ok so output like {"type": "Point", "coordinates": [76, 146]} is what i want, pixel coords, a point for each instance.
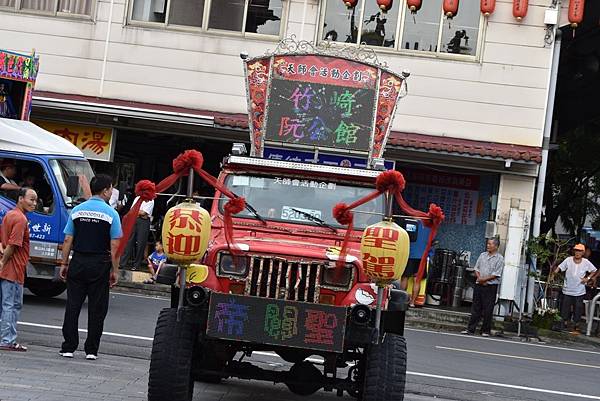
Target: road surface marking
{"type": "Point", "coordinates": [539, 390]}
{"type": "Point", "coordinates": [159, 297]}
{"type": "Point", "coordinates": [505, 341]}
{"type": "Point", "coordinates": [517, 357]}
{"type": "Point", "coordinates": [105, 333]}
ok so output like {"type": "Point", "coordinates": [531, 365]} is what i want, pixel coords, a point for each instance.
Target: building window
{"type": "Point", "coordinates": [427, 31]}
{"type": "Point", "coordinates": [53, 7]}
{"type": "Point", "coordinates": [243, 16]}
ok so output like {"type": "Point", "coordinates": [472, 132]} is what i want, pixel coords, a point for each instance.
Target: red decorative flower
{"type": "Point", "coordinates": [391, 180]}
{"type": "Point", "coordinates": [235, 205]}
{"type": "Point", "coordinates": [146, 190]}
{"type": "Point", "coordinates": [436, 216]}
{"type": "Point", "coordinates": [186, 160]}
{"type": "Point", "coordinates": [342, 214]}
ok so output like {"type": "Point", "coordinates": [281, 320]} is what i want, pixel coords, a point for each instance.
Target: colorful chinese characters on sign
{"type": "Point", "coordinates": [18, 67]}
{"type": "Point", "coordinates": [321, 101]}
{"type": "Point", "coordinates": [185, 232]}
{"type": "Point", "coordinates": [384, 248]}
{"type": "Point", "coordinates": [96, 143]}
{"type": "Point", "coordinates": [18, 73]}
{"type": "Point", "coordinates": [295, 324]}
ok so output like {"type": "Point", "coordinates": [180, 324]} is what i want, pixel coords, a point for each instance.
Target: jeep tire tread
{"type": "Point", "coordinates": [385, 370]}
{"type": "Point", "coordinates": [170, 375]}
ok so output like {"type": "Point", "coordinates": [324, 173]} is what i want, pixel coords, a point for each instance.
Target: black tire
{"type": "Point", "coordinates": [385, 370]}
{"type": "Point", "coordinates": [170, 375]}
{"type": "Point", "coordinates": [45, 288]}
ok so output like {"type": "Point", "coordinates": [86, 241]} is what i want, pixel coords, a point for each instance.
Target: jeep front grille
{"type": "Point", "coordinates": [280, 279]}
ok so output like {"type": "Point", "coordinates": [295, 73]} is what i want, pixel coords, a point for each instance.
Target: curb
{"type": "Point", "coordinates": [158, 290]}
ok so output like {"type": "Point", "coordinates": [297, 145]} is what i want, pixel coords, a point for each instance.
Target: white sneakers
{"type": "Point", "coordinates": [89, 357]}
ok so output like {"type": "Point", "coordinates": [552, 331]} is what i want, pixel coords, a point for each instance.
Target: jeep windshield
{"type": "Point", "coordinates": [303, 201]}
{"type": "Point", "coordinates": [69, 171]}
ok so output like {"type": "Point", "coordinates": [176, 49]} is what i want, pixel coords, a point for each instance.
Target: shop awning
{"type": "Point", "coordinates": [397, 140]}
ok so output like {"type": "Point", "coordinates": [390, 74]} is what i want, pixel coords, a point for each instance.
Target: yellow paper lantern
{"type": "Point", "coordinates": [185, 232]}
{"type": "Point", "coordinates": [384, 247]}
{"type": "Point", "coordinates": [196, 274]}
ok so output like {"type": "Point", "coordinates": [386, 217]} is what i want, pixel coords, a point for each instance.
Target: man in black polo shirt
{"type": "Point", "coordinates": [93, 232]}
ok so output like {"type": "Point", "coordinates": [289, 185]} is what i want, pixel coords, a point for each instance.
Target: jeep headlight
{"type": "Point", "coordinates": [232, 265]}
{"type": "Point", "coordinates": [332, 277]}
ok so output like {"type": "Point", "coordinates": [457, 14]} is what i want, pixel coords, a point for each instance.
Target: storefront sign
{"type": "Point", "coordinates": [277, 322]}
{"type": "Point", "coordinates": [322, 158]}
{"type": "Point", "coordinates": [96, 143]}
{"type": "Point", "coordinates": [456, 194]}
{"type": "Point", "coordinates": [18, 66]}
{"type": "Point", "coordinates": [322, 102]}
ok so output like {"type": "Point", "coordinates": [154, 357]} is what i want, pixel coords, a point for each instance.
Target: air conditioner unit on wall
{"type": "Point", "coordinates": [158, 6]}
{"type": "Point", "coordinates": [490, 229]}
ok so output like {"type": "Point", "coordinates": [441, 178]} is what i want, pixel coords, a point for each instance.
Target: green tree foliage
{"type": "Point", "coordinates": [573, 180]}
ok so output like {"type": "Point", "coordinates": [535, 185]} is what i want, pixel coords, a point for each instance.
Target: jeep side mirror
{"type": "Point", "coordinates": [73, 186]}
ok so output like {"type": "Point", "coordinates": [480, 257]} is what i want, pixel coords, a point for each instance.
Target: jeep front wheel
{"type": "Point", "coordinates": [385, 370]}
{"type": "Point", "coordinates": [170, 375]}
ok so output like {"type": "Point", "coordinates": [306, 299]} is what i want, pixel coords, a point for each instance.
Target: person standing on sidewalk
{"type": "Point", "coordinates": [14, 256]}
{"type": "Point", "coordinates": [488, 271]}
{"type": "Point", "coordinates": [138, 242]}
{"type": "Point", "coordinates": [93, 232]}
{"type": "Point", "coordinates": [578, 271]}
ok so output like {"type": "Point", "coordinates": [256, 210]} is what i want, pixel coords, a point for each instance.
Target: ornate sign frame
{"type": "Point", "coordinates": [21, 68]}
{"type": "Point", "coordinates": [260, 71]}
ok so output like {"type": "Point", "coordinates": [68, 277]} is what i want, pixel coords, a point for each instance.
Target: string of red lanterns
{"type": "Point", "coordinates": [450, 8]}
{"type": "Point", "coordinates": [576, 12]}
{"type": "Point", "coordinates": [488, 7]}
{"type": "Point", "coordinates": [520, 9]}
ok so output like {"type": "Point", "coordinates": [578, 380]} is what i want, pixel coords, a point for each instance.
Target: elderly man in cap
{"type": "Point", "coordinates": [8, 171]}
{"type": "Point", "coordinates": [578, 271]}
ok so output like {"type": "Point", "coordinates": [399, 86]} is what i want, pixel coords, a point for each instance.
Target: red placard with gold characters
{"type": "Point", "coordinates": [185, 232]}
{"type": "Point", "coordinates": [384, 248]}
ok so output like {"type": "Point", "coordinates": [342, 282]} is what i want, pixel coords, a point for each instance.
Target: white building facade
{"type": "Point", "coordinates": [470, 130]}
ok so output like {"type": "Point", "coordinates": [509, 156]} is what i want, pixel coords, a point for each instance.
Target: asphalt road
{"type": "Point", "coordinates": [441, 366]}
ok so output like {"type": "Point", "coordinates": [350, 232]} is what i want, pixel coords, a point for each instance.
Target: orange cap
{"type": "Point", "coordinates": [579, 247]}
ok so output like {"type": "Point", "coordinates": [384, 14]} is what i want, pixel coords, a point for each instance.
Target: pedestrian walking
{"type": "Point", "coordinates": [138, 241]}
{"type": "Point", "coordinates": [14, 234]}
{"type": "Point", "coordinates": [488, 270]}
{"type": "Point", "coordinates": [93, 232]}
{"type": "Point", "coordinates": [578, 271]}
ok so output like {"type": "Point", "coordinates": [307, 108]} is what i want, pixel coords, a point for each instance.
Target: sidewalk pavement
{"type": "Point", "coordinates": [42, 374]}
{"type": "Point", "coordinates": [443, 320]}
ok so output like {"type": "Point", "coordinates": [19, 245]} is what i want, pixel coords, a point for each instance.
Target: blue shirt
{"type": "Point", "coordinates": [93, 224]}
{"type": "Point", "coordinates": [155, 258]}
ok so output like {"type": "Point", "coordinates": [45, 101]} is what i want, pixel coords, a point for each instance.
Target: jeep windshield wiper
{"type": "Point", "coordinates": [255, 213]}
{"type": "Point", "coordinates": [314, 219]}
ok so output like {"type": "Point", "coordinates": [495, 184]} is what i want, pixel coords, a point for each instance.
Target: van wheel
{"type": "Point", "coordinates": [385, 370]}
{"type": "Point", "coordinates": [45, 288]}
{"type": "Point", "coordinates": [170, 375]}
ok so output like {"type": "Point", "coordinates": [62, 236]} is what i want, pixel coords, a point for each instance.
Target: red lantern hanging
{"type": "Point", "coordinates": [576, 12]}
{"type": "Point", "coordinates": [450, 8]}
{"type": "Point", "coordinates": [413, 5]}
{"type": "Point", "coordinates": [385, 5]}
{"type": "Point", "coordinates": [487, 7]}
{"type": "Point", "coordinates": [520, 9]}
{"type": "Point", "coordinates": [350, 3]}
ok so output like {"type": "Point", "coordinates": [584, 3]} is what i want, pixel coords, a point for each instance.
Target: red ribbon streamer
{"type": "Point", "coordinates": [146, 190]}
{"type": "Point", "coordinates": [393, 182]}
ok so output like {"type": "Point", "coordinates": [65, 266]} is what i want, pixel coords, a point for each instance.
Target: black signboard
{"type": "Point", "coordinates": [319, 114]}
{"type": "Point", "coordinates": [277, 322]}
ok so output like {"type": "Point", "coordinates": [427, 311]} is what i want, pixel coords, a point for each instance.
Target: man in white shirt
{"type": "Point", "coordinates": [139, 238]}
{"type": "Point", "coordinates": [578, 271]}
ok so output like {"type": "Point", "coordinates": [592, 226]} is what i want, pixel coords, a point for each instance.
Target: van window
{"type": "Point", "coordinates": [27, 173]}
{"type": "Point", "coordinates": [65, 170]}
